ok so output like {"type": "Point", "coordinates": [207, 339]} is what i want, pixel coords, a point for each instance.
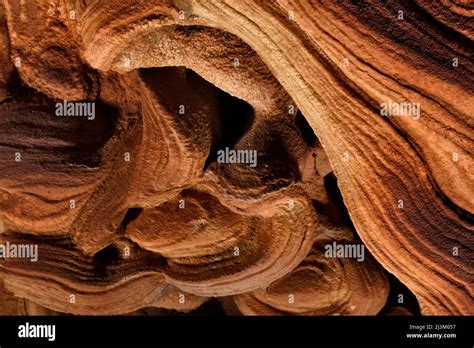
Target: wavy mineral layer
{"type": "Point", "coordinates": [323, 284]}
{"type": "Point", "coordinates": [156, 154]}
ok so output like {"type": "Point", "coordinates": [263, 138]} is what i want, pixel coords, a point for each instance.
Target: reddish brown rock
{"type": "Point", "coordinates": [133, 208]}
{"type": "Point", "coordinates": [323, 285]}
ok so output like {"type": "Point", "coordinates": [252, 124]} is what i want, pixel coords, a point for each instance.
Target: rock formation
{"type": "Point", "coordinates": [282, 156]}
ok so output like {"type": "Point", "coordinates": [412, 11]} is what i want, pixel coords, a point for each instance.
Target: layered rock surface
{"type": "Point", "coordinates": [134, 209]}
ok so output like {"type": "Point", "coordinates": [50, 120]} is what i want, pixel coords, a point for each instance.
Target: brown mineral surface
{"type": "Point", "coordinates": [247, 157]}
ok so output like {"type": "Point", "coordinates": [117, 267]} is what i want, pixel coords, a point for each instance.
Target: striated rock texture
{"type": "Point", "coordinates": [287, 157]}
{"type": "Point", "coordinates": [322, 285]}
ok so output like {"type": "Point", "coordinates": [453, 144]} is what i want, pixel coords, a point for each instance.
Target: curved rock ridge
{"type": "Point", "coordinates": [323, 285]}
{"type": "Point", "coordinates": [212, 251]}
{"type": "Point", "coordinates": [64, 280]}
{"type": "Point", "coordinates": [230, 143]}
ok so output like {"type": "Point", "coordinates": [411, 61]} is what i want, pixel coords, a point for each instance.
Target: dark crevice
{"type": "Point", "coordinates": [406, 301]}
{"type": "Point", "coordinates": [336, 201]}
{"type": "Point", "coordinates": [105, 258]}
{"type": "Point", "coordinates": [15, 87]}
{"type": "Point", "coordinates": [130, 215]}
{"type": "Point", "coordinates": [335, 210]}
{"type": "Point", "coordinates": [235, 118]}
{"type": "Point", "coordinates": [276, 163]}
{"type": "Point", "coordinates": [91, 135]}
{"type": "Point", "coordinates": [305, 129]}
